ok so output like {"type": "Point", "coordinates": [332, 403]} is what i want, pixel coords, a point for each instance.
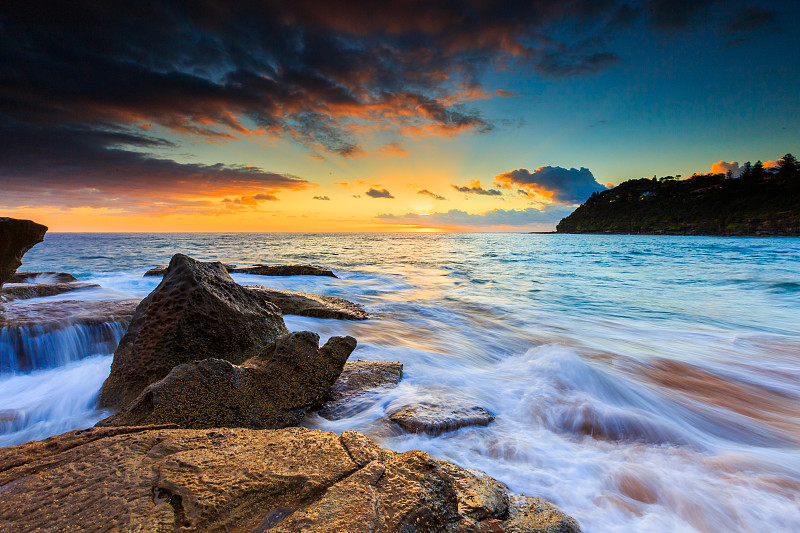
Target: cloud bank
{"type": "Point", "coordinates": [566, 186]}
{"type": "Point", "coordinates": [455, 218]}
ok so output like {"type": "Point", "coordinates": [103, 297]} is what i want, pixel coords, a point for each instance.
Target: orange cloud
{"type": "Point", "coordinates": [722, 167]}
{"type": "Point", "coordinates": [392, 149]}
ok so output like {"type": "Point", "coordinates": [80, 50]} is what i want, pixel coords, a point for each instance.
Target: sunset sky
{"type": "Point", "coordinates": [389, 116]}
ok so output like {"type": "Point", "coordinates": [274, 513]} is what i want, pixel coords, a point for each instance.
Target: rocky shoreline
{"type": "Point", "coordinates": [206, 389]}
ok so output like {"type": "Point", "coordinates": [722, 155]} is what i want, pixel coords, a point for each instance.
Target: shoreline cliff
{"type": "Point", "coordinates": [761, 202]}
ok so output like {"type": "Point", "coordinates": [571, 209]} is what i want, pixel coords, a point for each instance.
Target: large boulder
{"type": "Point", "coordinates": [270, 391]}
{"type": "Point", "coordinates": [359, 386]}
{"type": "Point", "coordinates": [157, 479]}
{"type": "Point", "coordinates": [196, 312]}
{"type": "Point", "coordinates": [307, 304]}
{"type": "Point", "coordinates": [16, 238]}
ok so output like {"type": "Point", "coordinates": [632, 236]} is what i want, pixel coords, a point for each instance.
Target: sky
{"type": "Point", "coordinates": [434, 115]}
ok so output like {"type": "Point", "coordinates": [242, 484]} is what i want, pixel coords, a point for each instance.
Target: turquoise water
{"type": "Point", "coordinates": [645, 383]}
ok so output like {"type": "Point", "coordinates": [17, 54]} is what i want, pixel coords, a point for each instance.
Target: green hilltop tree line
{"type": "Point", "coordinates": [760, 201]}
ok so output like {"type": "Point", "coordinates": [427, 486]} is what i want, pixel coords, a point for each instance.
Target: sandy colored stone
{"type": "Point", "coordinates": [196, 312]}
{"type": "Point", "coordinates": [16, 238]}
{"type": "Point", "coordinates": [270, 391]}
{"type": "Point", "coordinates": [535, 515]}
{"type": "Point", "coordinates": [161, 479]}
{"type": "Point", "coordinates": [438, 417]}
{"type": "Point", "coordinates": [308, 304]}
{"type": "Point", "coordinates": [360, 383]}
{"type": "Point", "coordinates": [23, 291]}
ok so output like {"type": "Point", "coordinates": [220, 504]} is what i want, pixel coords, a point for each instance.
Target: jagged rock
{"type": "Point", "coordinates": [438, 417]}
{"type": "Point", "coordinates": [527, 514]}
{"type": "Point", "coordinates": [52, 277]}
{"type": "Point", "coordinates": [196, 312]}
{"type": "Point", "coordinates": [307, 304]}
{"type": "Point", "coordinates": [157, 479]}
{"type": "Point", "coordinates": [270, 391]}
{"type": "Point", "coordinates": [23, 291]}
{"type": "Point", "coordinates": [359, 385]}
{"type": "Point", "coordinates": [54, 315]}
{"type": "Point", "coordinates": [16, 238]}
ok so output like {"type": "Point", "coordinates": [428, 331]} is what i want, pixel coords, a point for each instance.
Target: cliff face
{"type": "Point", "coordinates": [710, 204]}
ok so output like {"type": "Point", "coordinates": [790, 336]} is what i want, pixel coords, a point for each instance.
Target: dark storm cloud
{"type": "Point", "coordinates": [676, 15]}
{"type": "Point", "coordinates": [566, 186]}
{"type": "Point", "coordinates": [375, 193]}
{"type": "Point", "coordinates": [318, 72]}
{"type": "Point", "coordinates": [87, 167]}
{"type": "Point", "coordinates": [750, 22]}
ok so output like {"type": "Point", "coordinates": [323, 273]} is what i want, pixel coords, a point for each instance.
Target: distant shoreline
{"type": "Point", "coordinates": [674, 234]}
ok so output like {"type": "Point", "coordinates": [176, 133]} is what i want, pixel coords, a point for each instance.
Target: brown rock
{"type": "Point", "coordinates": [290, 480]}
{"type": "Point", "coordinates": [16, 238]}
{"type": "Point", "coordinates": [437, 417]}
{"type": "Point", "coordinates": [307, 304]}
{"type": "Point", "coordinates": [270, 391]}
{"type": "Point", "coordinates": [157, 271]}
{"type": "Point", "coordinates": [360, 384]}
{"type": "Point", "coordinates": [284, 270]}
{"type": "Point", "coordinates": [23, 291]}
{"type": "Point", "coordinates": [53, 277]}
{"type": "Point", "coordinates": [196, 312]}
{"type": "Point", "coordinates": [535, 515]}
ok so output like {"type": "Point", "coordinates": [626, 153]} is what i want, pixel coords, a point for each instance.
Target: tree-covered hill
{"type": "Point", "coordinates": [759, 202]}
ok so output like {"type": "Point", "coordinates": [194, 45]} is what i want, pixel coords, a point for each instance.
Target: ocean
{"type": "Point", "coordinates": [642, 383]}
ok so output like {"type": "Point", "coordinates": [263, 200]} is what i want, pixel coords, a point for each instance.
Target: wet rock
{"type": "Point", "coordinates": [196, 312]}
{"type": "Point", "coordinates": [438, 417]}
{"type": "Point", "coordinates": [289, 480]}
{"type": "Point", "coordinates": [48, 316]}
{"type": "Point", "coordinates": [16, 238]}
{"type": "Point", "coordinates": [307, 304]}
{"type": "Point", "coordinates": [29, 276]}
{"type": "Point", "coordinates": [359, 385]}
{"type": "Point", "coordinates": [284, 270]}
{"type": "Point", "coordinates": [270, 391]}
{"type": "Point", "coordinates": [23, 291]}
{"type": "Point", "coordinates": [528, 514]}
{"type": "Point", "coordinates": [263, 270]}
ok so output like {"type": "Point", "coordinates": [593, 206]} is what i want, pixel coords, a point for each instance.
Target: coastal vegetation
{"type": "Point", "coordinates": [759, 201]}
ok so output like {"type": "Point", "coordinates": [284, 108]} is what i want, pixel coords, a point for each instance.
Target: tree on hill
{"type": "Point", "coordinates": [788, 166]}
